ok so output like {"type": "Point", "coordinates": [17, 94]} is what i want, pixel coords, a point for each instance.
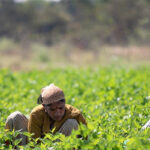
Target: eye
{"type": "Point", "coordinates": [52, 109]}
{"type": "Point", "coordinates": [60, 108]}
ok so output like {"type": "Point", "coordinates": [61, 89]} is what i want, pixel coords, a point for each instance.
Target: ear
{"type": "Point", "coordinates": [39, 100]}
{"type": "Point", "coordinates": [44, 107]}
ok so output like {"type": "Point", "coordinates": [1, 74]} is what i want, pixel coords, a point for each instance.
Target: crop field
{"type": "Point", "coordinates": [114, 100]}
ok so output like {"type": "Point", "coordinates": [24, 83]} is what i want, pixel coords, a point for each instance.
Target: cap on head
{"type": "Point", "coordinates": [51, 94]}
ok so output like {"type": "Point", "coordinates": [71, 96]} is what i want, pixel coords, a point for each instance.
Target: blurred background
{"type": "Point", "coordinates": [56, 33]}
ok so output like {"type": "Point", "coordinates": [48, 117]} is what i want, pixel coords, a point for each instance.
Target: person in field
{"type": "Point", "coordinates": [53, 114]}
{"type": "Point", "coordinates": [147, 125]}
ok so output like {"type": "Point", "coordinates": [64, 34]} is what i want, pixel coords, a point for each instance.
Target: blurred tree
{"type": "Point", "coordinates": [126, 15]}
{"type": "Point", "coordinates": [82, 21]}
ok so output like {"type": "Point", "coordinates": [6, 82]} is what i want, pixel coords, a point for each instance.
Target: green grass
{"type": "Point", "coordinates": [114, 100]}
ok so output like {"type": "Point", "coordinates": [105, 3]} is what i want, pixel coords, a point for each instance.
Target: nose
{"type": "Point", "coordinates": [58, 112]}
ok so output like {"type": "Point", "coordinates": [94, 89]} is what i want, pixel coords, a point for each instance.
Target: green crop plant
{"type": "Point", "coordinates": [114, 100]}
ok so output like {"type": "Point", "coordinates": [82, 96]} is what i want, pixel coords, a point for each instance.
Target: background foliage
{"type": "Point", "coordinates": [80, 22]}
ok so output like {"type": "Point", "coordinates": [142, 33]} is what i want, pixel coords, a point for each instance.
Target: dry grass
{"type": "Point", "coordinates": [37, 56]}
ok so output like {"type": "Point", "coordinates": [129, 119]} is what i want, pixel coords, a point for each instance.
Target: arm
{"type": "Point", "coordinates": [35, 125]}
{"type": "Point", "coordinates": [81, 119]}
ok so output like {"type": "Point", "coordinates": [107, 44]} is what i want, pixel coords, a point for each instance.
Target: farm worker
{"type": "Point", "coordinates": [147, 125]}
{"type": "Point", "coordinates": [52, 114]}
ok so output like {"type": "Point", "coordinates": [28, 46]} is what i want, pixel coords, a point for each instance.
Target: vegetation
{"type": "Point", "coordinates": [83, 23]}
{"type": "Point", "coordinates": [114, 100]}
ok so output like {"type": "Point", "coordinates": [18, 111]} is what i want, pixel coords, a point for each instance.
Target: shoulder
{"type": "Point", "coordinates": [38, 110]}
{"type": "Point", "coordinates": [72, 110]}
{"type": "Point", "coordinates": [37, 115]}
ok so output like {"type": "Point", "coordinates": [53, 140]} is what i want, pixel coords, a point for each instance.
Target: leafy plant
{"type": "Point", "coordinates": [115, 102]}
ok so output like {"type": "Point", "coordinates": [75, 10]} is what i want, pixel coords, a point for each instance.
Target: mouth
{"type": "Point", "coordinates": [58, 118]}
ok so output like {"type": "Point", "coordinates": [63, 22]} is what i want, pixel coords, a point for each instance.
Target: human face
{"type": "Point", "coordinates": [56, 110]}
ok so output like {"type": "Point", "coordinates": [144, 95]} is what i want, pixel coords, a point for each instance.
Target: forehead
{"type": "Point", "coordinates": [57, 104]}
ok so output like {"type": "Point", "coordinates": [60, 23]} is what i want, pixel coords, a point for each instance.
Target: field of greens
{"type": "Point", "coordinates": [114, 100]}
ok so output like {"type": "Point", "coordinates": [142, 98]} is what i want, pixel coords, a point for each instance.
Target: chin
{"type": "Point", "coordinates": [58, 119]}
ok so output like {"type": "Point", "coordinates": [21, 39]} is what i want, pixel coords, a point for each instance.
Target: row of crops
{"type": "Point", "coordinates": [114, 100]}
